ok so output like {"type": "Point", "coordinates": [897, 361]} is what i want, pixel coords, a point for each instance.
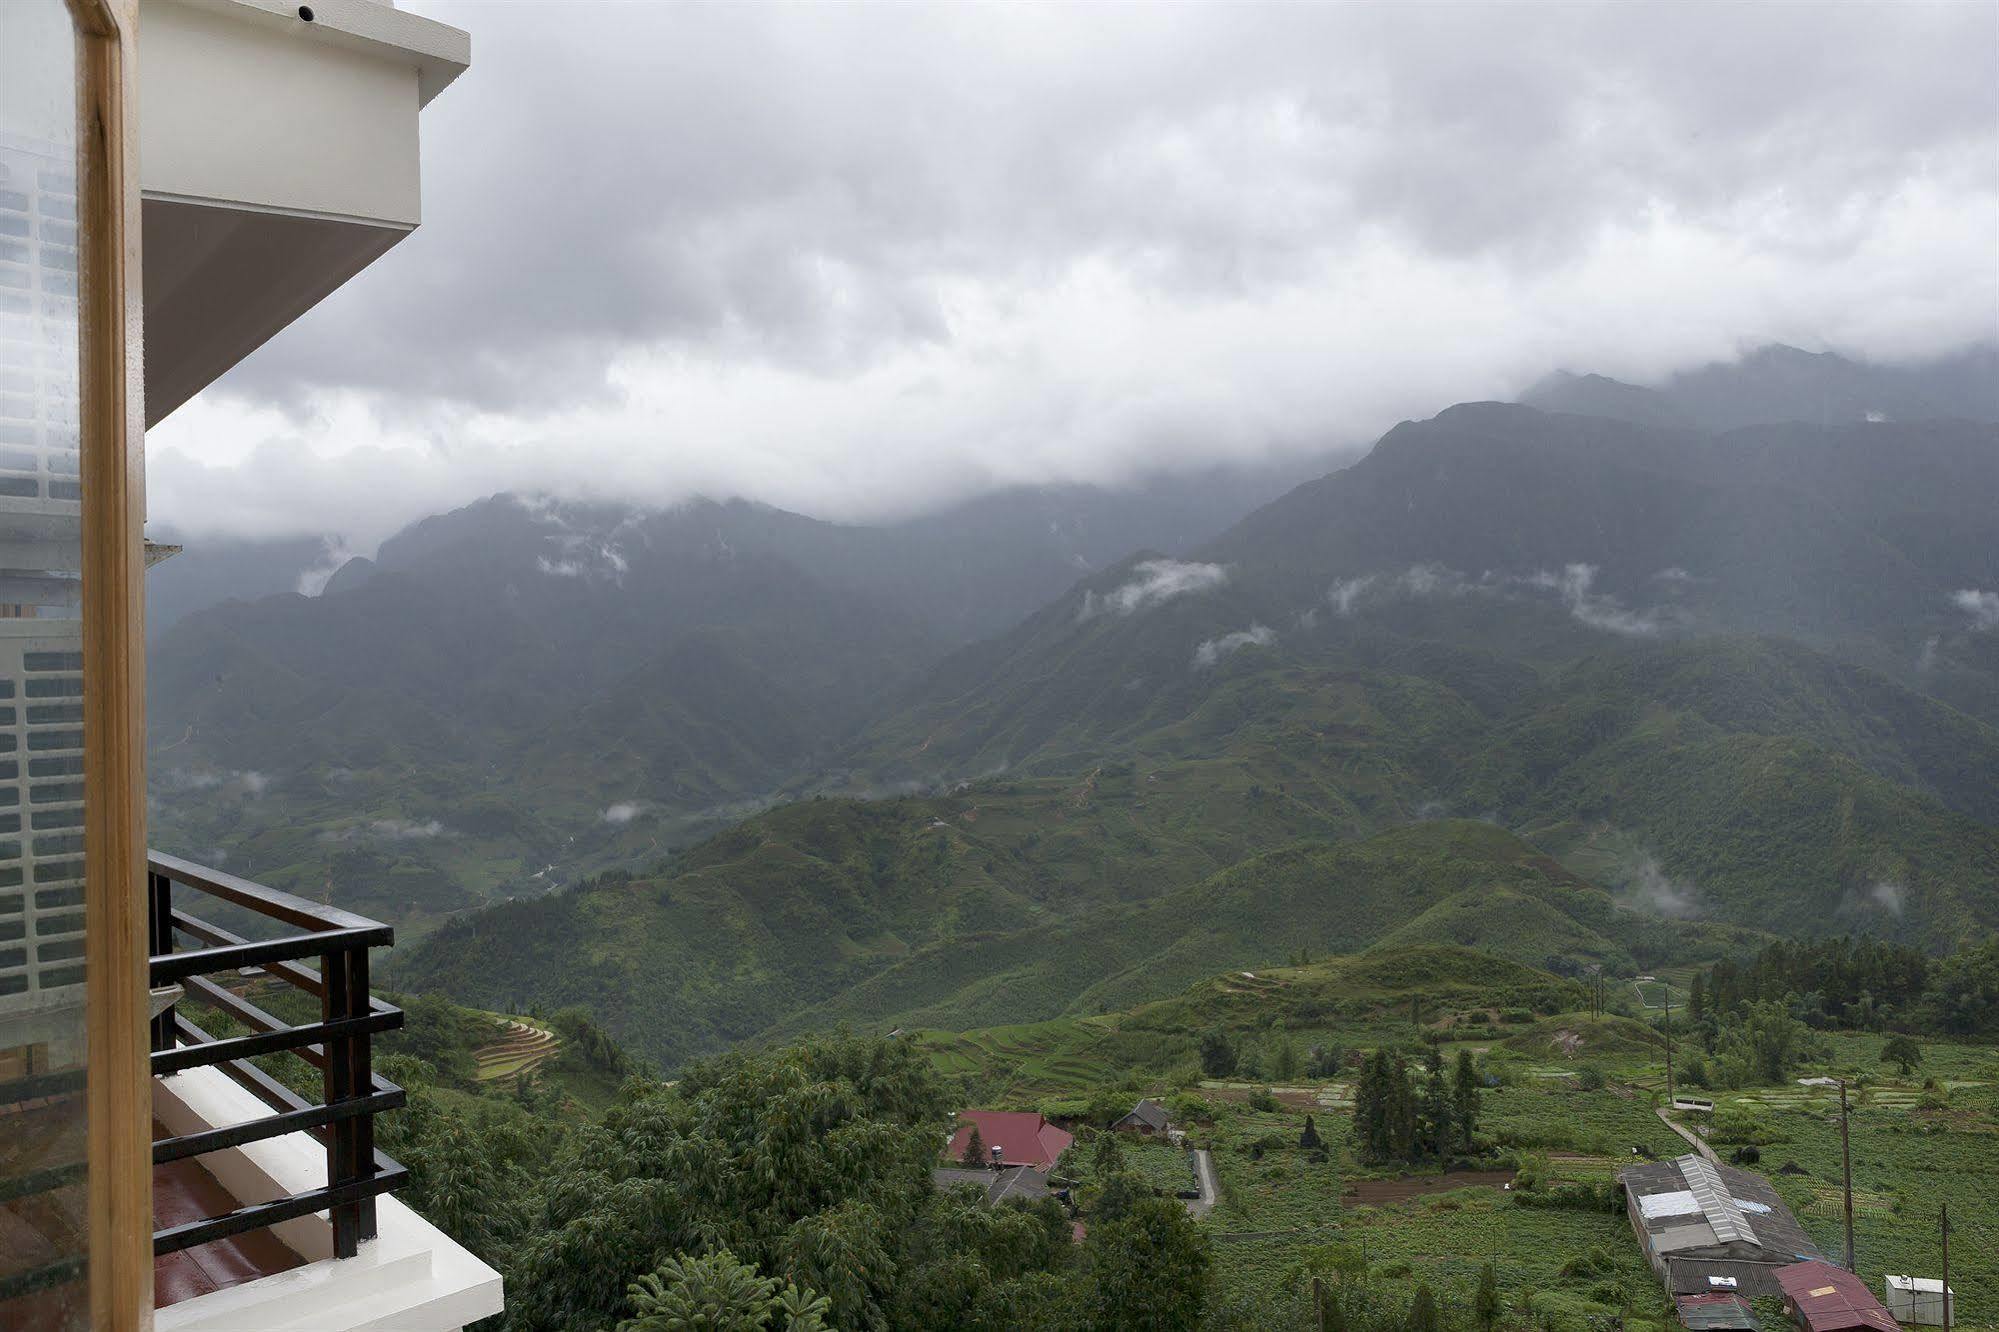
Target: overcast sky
{"type": "Point", "coordinates": [857, 261]}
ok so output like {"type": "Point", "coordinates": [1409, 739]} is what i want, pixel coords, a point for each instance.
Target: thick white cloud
{"type": "Point", "coordinates": [858, 262]}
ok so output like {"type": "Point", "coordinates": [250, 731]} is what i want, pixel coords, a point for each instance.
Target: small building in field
{"type": "Point", "coordinates": [1711, 1229]}
{"type": "Point", "coordinates": [1819, 1297]}
{"type": "Point", "coordinates": [1148, 1116]}
{"type": "Point", "coordinates": [1918, 1300]}
{"type": "Point", "coordinates": [1010, 1138]}
{"type": "Point", "coordinates": [1715, 1313]}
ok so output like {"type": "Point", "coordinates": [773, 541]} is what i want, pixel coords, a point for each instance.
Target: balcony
{"type": "Point", "coordinates": [271, 1207]}
{"type": "Point", "coordinates": [338, 1046]}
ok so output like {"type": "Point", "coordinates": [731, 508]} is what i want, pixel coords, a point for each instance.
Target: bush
{"type": "Point", "coordinates": [1739, 1126]}
{"type": "Point", "coordinates": [1600, 1196]}
{"type": "Point", "coordinates": [1590, 1078]}
{"type": "Point", "coordinates": [1596, 1262]}
{"type": "Point", "coordinates": [1262, 1099]}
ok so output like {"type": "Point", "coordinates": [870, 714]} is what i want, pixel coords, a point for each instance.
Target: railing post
{"type": "Point", "coordinates": [361, 1078]}
{"type": "Point", "coordinates": [341, 1166]}
{"type": "Point", "coordinates": [159, 943]}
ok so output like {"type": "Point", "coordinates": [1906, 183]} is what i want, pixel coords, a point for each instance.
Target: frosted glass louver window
{"type": "Point", "coordinates": [41, 705]}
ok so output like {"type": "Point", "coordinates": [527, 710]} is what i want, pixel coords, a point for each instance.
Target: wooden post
{"type": "Point", "coordinates": [1846, 1172]}
{"type": "Point", "coordinates": [1319, 1304]}
{"type": "Point", "coordinates": [118, 1091]}
{"type": "Point", "coordinates": [336, 1004]}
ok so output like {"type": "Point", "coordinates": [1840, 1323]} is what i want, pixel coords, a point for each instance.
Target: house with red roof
{"type": "Point", "coordinates": [1819, 1297]}
{"type": "Point", "coordinates": [1010, 1138]}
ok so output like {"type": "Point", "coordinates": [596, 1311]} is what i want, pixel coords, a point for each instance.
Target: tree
{"type": "Point", "coordinates": [1485, 1304]}
{"type": "Point", "coordinates": [1423, 1316]}
{"type": "Point", "coordinates": [1218, 1054]}
{"type": "Point", "coordinates": [1106, 1156]}
{"type": "Point", "coordinates": [1438, 1122]}
{"type": "Point", "coordinates": [1465, 1099]}
{"type": "Point", "coordinates": [974, 1154]}
{"type": "Point", "coordinates": [1148, 1269]}
{"type": "Point", "coordinates": [1284, 1059]}
{"type": "Point", "coordinates": [1385, 1123]}
{"type": "Point", "coordinates": [1697, 999]}
{"type": "Point", "coordinates": [1968, 990]}
{"type": "Point", "coordinates": [1902, 1052]}
{"type": "Point", "coordinates": [1324, 1061]}
{"type": "Point", "coordinates": [718, 1291]}
{"type": "Point", "coordinates": [1310, 1137]}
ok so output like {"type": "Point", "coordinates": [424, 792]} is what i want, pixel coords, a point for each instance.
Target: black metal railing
{"type": "Point", "coordinates": [338, 1045]}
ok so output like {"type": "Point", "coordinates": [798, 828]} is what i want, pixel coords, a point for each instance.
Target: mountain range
{"type": "Point", "coordinates": [1612, 675]}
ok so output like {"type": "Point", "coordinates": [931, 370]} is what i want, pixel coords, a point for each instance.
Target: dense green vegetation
{"type": "Point", "coordinates": [789, 1189]}
{"type": "Point", "coordinates": [833, 911]}
{"type": "Point", "coordinates": [1859, 983]}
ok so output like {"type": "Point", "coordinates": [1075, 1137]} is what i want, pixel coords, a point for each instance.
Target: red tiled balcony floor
{"type": "Point", "coordinates": [184, 1191]}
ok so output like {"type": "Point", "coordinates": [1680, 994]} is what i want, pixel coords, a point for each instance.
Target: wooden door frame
{"type": "Point", "coordinates": [112, 466]}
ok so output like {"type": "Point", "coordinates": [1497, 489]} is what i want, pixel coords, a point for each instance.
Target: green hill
{"type": "Point", "coordinates": [899, 913]}
{"type": "Point", "coordinates": [1363, 995]}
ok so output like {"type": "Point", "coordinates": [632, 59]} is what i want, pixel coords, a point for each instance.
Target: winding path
{"type": "Point", "coordinates": [1699, 1143]}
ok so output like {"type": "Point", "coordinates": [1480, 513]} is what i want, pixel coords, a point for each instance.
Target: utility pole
{"type": "Point", "coordinates": [1846, 1170]}
{"type": "Point", "coordinates": [1945, 1218]}
{"type": "Point", "coordinates": [1669, 1045]}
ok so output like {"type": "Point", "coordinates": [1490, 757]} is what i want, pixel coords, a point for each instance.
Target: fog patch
{"type": "Point", "coordinates": [1157, 581]}
{"type": "Point", "coordinates": [1648, 888]}
{"type": "Point", "coordinates": [1600, 610]}
{"type": "Point", "coordinates": [1214, 649]}
{"type": "Point", "coordinates": [1347, 595]}
{"type": "Point", "coordinates": [388, 830]}
{"type": "Point", "coordinates": [334, 555]}
{"type": "Point", "coordinates": [248, 781]}
{"type": "Point", "coordinates": [1982, 607]}
{"type": "Point", "coordinates": [621, 813]}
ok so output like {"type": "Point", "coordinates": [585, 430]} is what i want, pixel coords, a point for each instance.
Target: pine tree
{"type": "Point", "coordinates": [1465, 1099]}
{"type": "Point", "coordinates": [975, 1149]}
{"type": "Point", "coordinates": [1697, 999]}
{"type": "Point", "coordinates": [1310, 1137]}
{"type": "Point", "coordinates": [1486, 1303]}
{"type": "Point", "coordinates": [1401, 1096]}
{"type": "Point", "coordinates": [1423, 1315]}
{"type": "Point", "coordinates": [1372, 1113]}
{"type": "Point", "coordinates": [1438, 1121]}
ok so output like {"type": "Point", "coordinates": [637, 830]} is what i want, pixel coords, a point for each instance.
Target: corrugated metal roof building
{"type": "Point", "coordinates": [1710, 1313]}
{"type": "Point", "coordinates": [1819, 1297]}
{"type": "Point", "coordinates": [1711, 1229]}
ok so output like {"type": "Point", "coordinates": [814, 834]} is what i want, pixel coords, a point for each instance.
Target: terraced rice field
{"type": "Point", "coordinates": [522, 1050]}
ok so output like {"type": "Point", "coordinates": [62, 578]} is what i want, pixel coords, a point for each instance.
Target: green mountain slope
{"type": "Point", "coordinates": [834, 911]}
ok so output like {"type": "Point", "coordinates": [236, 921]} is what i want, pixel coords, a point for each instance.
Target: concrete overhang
{"type": "Point", "coordinates": [278, 157]}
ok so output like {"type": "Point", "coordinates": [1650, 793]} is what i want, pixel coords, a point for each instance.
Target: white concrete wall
{"type": "Point", "coordinates": [242, 107]}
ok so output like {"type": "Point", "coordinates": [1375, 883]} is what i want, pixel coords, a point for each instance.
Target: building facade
{"type": "Point", "coordinates": [179, 180]}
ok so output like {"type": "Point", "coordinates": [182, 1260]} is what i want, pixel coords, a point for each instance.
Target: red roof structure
{"type": "Point", "coordinates": [1023, 1137]}
{"type": "Point", "coordinates": [1823, 1298]}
